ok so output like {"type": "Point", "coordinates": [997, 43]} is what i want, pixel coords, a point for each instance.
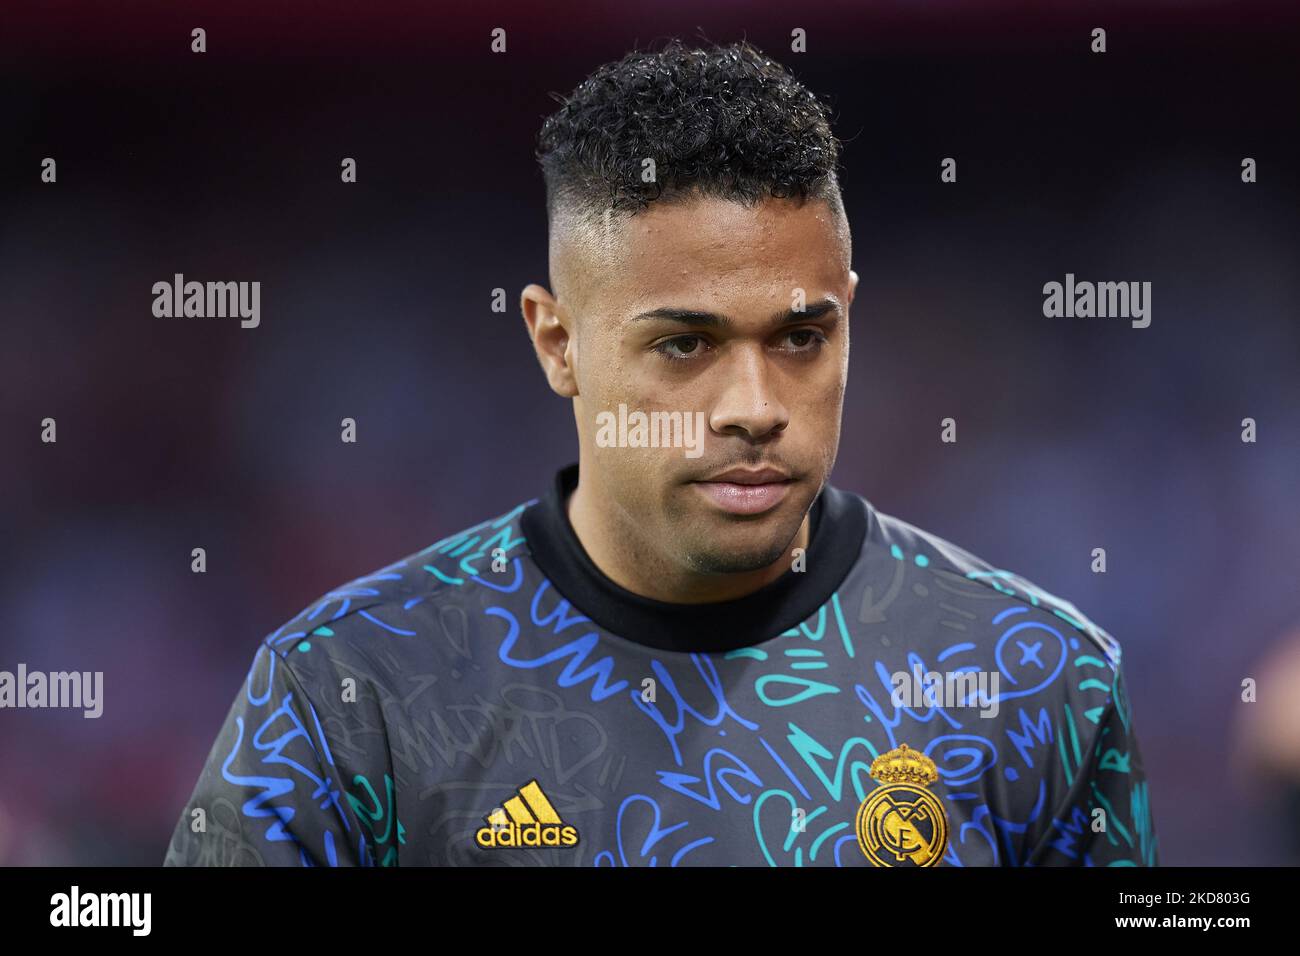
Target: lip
{"type": "Point", "coordinates": [748, 476]}
{"type": "Point", "coordinates": [744, 492]}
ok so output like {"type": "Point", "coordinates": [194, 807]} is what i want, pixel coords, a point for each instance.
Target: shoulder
{"type": "Point", "coordinates": [1059, 672]}
{"type": "Point", "coordinates": [348, 623]}
{"type": "Point", "coordinates": [971, 574]}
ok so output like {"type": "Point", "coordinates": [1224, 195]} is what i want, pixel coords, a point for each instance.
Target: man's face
{"type": "Point", "coordinates": [742, 315]}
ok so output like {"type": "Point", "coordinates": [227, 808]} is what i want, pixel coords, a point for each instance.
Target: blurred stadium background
{"type": "Point", "coordinates": [1073, 433]}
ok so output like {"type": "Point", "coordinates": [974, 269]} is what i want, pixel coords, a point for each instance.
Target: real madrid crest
{"type": "Point", "coordinates": [903, 823]}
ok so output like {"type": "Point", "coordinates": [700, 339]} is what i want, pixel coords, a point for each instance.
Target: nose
{"type": "Point", "coordinates": [748, 405]}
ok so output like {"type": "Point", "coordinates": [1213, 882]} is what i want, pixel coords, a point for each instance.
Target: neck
{"type": "Point", "coordinates": [650, 575]}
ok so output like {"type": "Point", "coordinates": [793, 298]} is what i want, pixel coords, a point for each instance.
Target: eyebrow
{"type": "Point", "coordinates": [714, 320]}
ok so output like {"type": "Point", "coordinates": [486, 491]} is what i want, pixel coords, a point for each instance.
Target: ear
{"type": "Point", "coordinates": [853, 285]}
{"type": "Point", "coordinates": [549, 328]}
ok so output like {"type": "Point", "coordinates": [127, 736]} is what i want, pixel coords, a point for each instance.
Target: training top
{"type": "Point", "coordinates": [496, 700]}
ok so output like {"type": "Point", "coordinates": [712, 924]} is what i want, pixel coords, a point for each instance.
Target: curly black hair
{"type": "Point", "coordinates": [725, 122]}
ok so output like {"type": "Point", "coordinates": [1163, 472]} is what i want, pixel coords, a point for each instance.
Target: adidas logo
{"type": "Point", "coordinates": [526, 819]}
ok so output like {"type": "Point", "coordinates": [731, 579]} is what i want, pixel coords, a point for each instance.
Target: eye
{"type": "Point", "coordinates": [806, 340]}
{"type": "Point", "coordinates": [681, 348]}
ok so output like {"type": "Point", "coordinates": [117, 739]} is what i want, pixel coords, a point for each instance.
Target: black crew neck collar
{"type": "Point", "coordinates": [838, 527]}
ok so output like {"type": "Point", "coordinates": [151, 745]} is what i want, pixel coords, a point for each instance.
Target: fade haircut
{"type": "Point", "coordinates": [725, 122]}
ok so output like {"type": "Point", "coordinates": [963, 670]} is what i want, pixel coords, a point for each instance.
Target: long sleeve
{"type": "Point", "coordinates": [1109, 778]}
{"type": "Point", "coordinates": [271, 793]}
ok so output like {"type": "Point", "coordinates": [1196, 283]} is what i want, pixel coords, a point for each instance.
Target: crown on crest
{"type": "Point", "coordinates": [904, 765]}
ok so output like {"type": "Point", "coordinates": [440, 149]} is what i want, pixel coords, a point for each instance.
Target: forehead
{"type": "Point", "coordinates": [704, 249]}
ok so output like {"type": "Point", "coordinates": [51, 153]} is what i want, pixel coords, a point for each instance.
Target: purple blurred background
{"type": "Point", "coordinates": [183, 433]}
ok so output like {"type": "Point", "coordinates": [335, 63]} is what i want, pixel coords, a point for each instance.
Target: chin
{"type": "Point", "coordinates": [752, 547]}
{"type": "Point", "coordinates": [735, 562]}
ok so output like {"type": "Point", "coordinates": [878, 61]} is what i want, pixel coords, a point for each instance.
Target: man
{"type": "Point", "coordinates": [692, 650]}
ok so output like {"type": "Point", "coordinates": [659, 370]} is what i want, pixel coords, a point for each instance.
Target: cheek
{"type": "Point", "coordinates": [837, 393]}
{"type": "Point", "coordinates": [822, 394]}
{"type": "Point", "coordinates": [605, 378]}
